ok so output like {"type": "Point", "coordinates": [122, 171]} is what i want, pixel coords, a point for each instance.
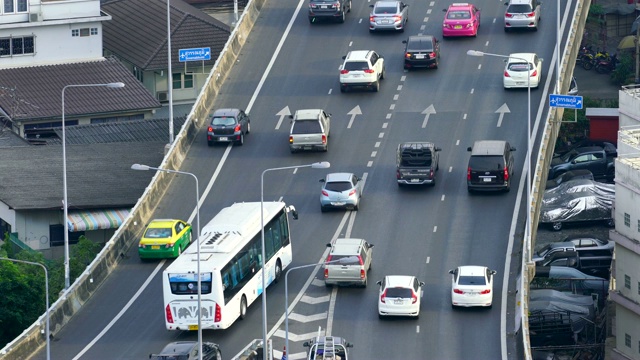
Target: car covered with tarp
{"type": "Point", "coordinates": [578, 200]}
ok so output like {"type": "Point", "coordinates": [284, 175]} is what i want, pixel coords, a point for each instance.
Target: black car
{"type": "Point", "coordinates": [569, 175]}
{"type": "Point", "coordinates": [188, 350]}
{"type": "Point", "coordinates": [328, 10]}
{"type": "Point", "coordinates": [609, 147]}
{"type": "Point", "coordinates": [228, 125]}
{"type": "Point", "coordinates": [490, 166]}
{"type": "Point", "coordinates": [416, 163]}
{"type": "Point", "coordinates": [421, 51]}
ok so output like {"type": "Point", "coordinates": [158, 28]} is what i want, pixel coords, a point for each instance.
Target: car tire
{"type": "Point", "coordinates": [435, 67]}
{"type": "Point", "coordinates": [417, 317]}
{"type": "Point", "coordinates": [243, 307]}
{"type": "Point", "coordinates": [587, 65]}
{"type": "Point", "coordinates": [278, 272]}
{"type": "Point", "coordinates": [355, 207]}
{"type": "Point", "coordinates": [400, 185]}
{"type": "Point", "coordinates": [344, 88]}
{"type": "Point", "coordinates": [327, 285]}
{"type": "Point", "coordinates": [364, 284]}
{"type": "Point", "coordinates": [376, 86]}
{"type": "Point", "coordinates": [380, 316]}
{"type": "Point", "coordinates": [343, 17]}
{"type": "Point", "coordinates": [349, 6]}
{"type": "Point", "coordinates": [323, 209]}
{"type": "Point", "coordinates": [557, 226]}
{"type": "Point", "coordinates": [535, 28]}
{"type": "Point", "coordinates": [326, 148]}
{"type": "Point", "coordinates": [241, 141]}
{"type": "Point", "coordinates": [383, 73]}
{"type": "Point", "coordinates": [312, 20]}
{"type": "Point", "coordinates": [218, 355]}
{"type": "Point", "coordinates": [506, 29]}
{"type": "Point", "coordinates": [469, 190]}
{"type": "Point", "coordinates": [248, 127]}
{"type": "Point", "coordinates": [209, 143]}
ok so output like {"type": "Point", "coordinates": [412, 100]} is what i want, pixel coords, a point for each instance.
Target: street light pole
{"type": "Point", "coordinates": [286, 290]}
{"type": "Point", "coordinates": [316, 165]}
{"type": "Point", "coordinates": [65, 203]}
{"type": "Point", "coordinates": [170, 77]}
{"type": "Point", "coordinates": [529, 150]}
{"type": "Point", "coordinates": [46, 289]}
{"type": "Point", "coordinates": [145, 167]}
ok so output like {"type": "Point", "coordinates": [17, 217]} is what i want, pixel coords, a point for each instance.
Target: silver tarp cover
{"type": "Point", "coordinates": [578, 200]}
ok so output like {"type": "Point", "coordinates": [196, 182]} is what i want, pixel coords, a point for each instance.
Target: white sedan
{"type": "Point", "coordinates": [399, 296]}
{"type": "Point", "coordinates": [472, 286]}
{"type": "Point", "coordinates": [521, 66]}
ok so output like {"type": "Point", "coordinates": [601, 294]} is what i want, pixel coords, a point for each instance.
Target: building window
{"type": "Point", "coordinates": [17, 46]}
{"type": "Point", "coordinates": [75, 32]}
{"type": "Point", "coordinates": [10, 6]}
{"type": "Point", "coordinates": [188, 81]}
{"type": "Point", "coordinates": [22, 5]}
{"type": "Point", "coordinates": [627, 340]}
{"type": "Point", "coordinates": [627, 220]}
{"type": "Point", "coordinates": [627, 282]}
{"type": "Point", "coordinates": [638, 225]}
{"type": "Point", "coordinates": [177, 81]}
{"type": "Point", "coordinates": [114, 119]}
{"type": "Point", "coordinates": [94, 31]}
{"type": "Point", "coordinates": [84, 32]}
{"type": "Point", "coordinates": [138, 73]}
{"type": "Point", "coordinates": [181, 81]}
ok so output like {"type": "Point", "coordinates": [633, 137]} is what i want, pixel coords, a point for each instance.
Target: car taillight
{"type": "Point", "coordinates": [407, 55]}
{"type": "Point", "coordinates": [506, 74]}
{"type": "Point", "coordinates": [414, 298]}
{"type": "Point", "coordinates": [324, 193]}
{"type": "Point", "coordinates": [352, 192]}
{"type": "Point", "coordinates": [237, 128]}
{"type": "Point", "coordinates": [336, 5]}
{"type": "Point", "coordinates": [534, 73]}
{"type": "Point", "coordinates": [141, 246]}
{"type": "Point", "coordinates": [218, 316]}
{"type": "Point", "coordinates": [168, 245]}
{"type": "Point", "coordinates": [290, 139]}
{"type": "Point", "coordinates": [360, 260]}
{"type": "Point", "coordinates": [372, 18]}
{"type": "Point", "coordinates": [506, 174]}
{"type": "Point", "coordinates": [431, 173]}
{"type": "Point", "coordinates": [324, 139]}
{"type": "Point", "coordinates": [397, 18]}
{"type": "Point", "coordinates": [485, 292]}
{"type": "Point", "coordinates": [469, 173]}
{"type": "Point", "coordinates": [469, 25]}
{"type": "Point", "coordinates": [326, 273]}
{"type": "Point", "coordinates": [458, 291]}
{"type": "Point", "coordinates": [369, 71]}
{"type": "Point", "coordinates": [328, 258]}
{"type": "Point", "coordinates": [507, 15]}
{"type": "Point", "coordinates": [167, 311]}
{"type": "Point", "coordinates": [383, 297]}
{"type": "Point", "coordinates": [210, 129]}
{"type": "Point", "coordinates": [362, 273]}
{"type": "Point", "coordinates": [432, 55]}
{"type": "Point", "coordinates": [398, 174]}
{"type": "Point", "coordinates": [531, 14]}
{"type": "Point", "coordinates": [344, 72]}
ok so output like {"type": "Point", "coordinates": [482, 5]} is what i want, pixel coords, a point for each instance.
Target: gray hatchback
{"type": "Point", "coordinates": [340, 190]}
{"type": "Point", "coordinates": [228, 125]}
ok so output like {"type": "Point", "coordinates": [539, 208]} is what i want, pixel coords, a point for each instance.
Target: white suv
{"type": "Point", "coordinates": [399, 295]}
{"type": "Point", "coordinates": [361, 68]}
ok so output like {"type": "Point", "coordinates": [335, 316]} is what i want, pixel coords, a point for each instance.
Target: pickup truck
{"type": "Point", "coordinates": [594, 262]}
{"type": "Point", "coordinates": [309, 130]}
{"type": "Point", "coordinates": [416, 163]}
{"type": "Point", "coordinates": [593, 158]}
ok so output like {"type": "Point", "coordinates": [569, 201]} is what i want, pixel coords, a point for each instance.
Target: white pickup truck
{"type": "Point", "coordinates": [309, 130]}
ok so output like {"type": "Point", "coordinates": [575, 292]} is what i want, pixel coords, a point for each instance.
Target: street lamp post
{"type": "Point", "coordinates": [170, 74]}
{"type": "Point", "coordinates": [65, 204]}
{"type": "Point", "coordinates": [146, 167]}
{"type": "Point", "coordinates": [46, 289]}
{"type": "Point", "coordinates": [316, 165]}
{"type": "Point", "coordinates": [529, 150]}
{"type": "Point", "coordinates": [286, 290]}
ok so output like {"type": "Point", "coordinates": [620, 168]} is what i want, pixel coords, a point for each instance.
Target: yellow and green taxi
{"type": "Point", "coordinates": [164, 238]}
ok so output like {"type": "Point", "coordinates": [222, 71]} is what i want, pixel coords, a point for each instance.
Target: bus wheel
{"type": "Point", "coordinates": [278, 271]}
{"type": "Point", "coordinates": [243, 307]}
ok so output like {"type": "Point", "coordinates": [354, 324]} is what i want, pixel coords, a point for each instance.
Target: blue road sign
{"type": "Point", "coordinates": [195, 54]}
{"type": "Point", "coordinates": [565, 101]}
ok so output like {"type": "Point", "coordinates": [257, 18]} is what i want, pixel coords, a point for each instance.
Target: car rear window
{"type": "Point", "coordinates": [415, 157]}
{"type": "Point", "coordinates": [520, 66]}
{"type": "Point", "coordinates": [158, 233]}
{"type": "Point", "coordinates": [486, 162]}
{"type": "Point", "coordinates": [306, 127]}
{"type": "Point", "coordinates": [338, 186]}
{"type": "Point", "coordinates": [418, 44]}
{"type": "Point", "coordinates": [224, 120]}
{"type": "Point", "coordinates": [471, 280]}
{"type": "Point", "coordinates": [356, 65]}
{"type": "Point", "coordinates": [397, 292]}
{"type": "Point", "coordinates": [457, 15]}
{"type": "Point", "coordinates": [353, 260]}
{"type": "Point", "coordinates": [519, 9]}
{"type": "Point", "coordinates": [385, 10]}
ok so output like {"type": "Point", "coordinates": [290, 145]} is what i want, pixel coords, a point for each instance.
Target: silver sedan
{"type": "Point", "coordinates": [340, 190]}
{"type": "Point", "coordinates": [388, 15]}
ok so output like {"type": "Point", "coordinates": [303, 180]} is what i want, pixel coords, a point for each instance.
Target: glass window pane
{"type": "Point", "coordinates": [29, 47]}
{"type": "Point", "coordinates": [17, 46]}
{"type": "Point", "coordinates": [22, 5]}
{"type": "Point", "coordinates": [188, 81]}
{"type": "Point", "coordinates": [177, 81]}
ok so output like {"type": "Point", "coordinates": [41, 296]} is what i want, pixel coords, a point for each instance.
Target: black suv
{"type": "Point", "coordinates": [421, 51]}
{"type": "Point", "coordinates": [416, 163]}
{"type": "Point", "coordinates": [228, 125]}
{"type": "Point", "coordinates": [329, 10]}
{"type": "Point", "coordinates": [490, 166]}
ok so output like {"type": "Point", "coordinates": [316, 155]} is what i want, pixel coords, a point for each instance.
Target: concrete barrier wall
{"type": "Point", "coordinates": [33, 338]}
{"type": "Point", "coordinates": [547, 145]}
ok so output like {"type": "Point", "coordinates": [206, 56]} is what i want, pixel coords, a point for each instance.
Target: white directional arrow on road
{"type": "Point", "coordinates": [502, 110]}
{"type": "Point", "coordinates": [427, 112]}
{"type": "Point", "coordinates": [282, 113]}
{"type": "Point", "coordinates": [355, 111]}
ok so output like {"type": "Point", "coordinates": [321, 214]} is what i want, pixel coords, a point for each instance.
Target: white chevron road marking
{"type": "Point", "coordinates": [315, 300]}
{"type": "Point", "coordinates": [307, 318]}
{"type": "Point", "coordinates": [295, 338]}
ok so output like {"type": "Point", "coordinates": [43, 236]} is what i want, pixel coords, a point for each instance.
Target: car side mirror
{"type": "Point", "coordinates": [349, 345]}
{"type": "Point", "coordinates": [371, 245]}
{"type": "Point", "coordinates": [305, 344]}
{"type": "Point", "coordinates": [438, 149]}
{"type": "Point", "coordinates": [329, 245]}
{"type": "Point", "coordinates": [421, 283]}
{"type": "Point", "coordinates": [371, 5]}
{"type": "Point", "coordinates": [513, 149]}
{"type": "Point", "coordinates": [404, 41]}
{"type": "Point", "coordinates": [493, 272]}
{"type": "Point", "coordinates": [290, 116]}
{"type": "Point", "coordinates": [344, 57]}
{"type": "Point", "coordinates": [541, 59]}
{"type": "Point", "coordinates": [469, 148]}
{"type": "Point", "coordinates": [379, 282]}
{"type": "Point", "coordinates": [451, 272]}
{"type": "Point", "coordinates": [444, 10]}
{"type": "Point", "coordinates": [321, 180]}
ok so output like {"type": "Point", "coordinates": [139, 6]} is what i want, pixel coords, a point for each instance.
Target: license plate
{"type": "Point", "coordinates": [420, 56]}
{"type": "Point", "coordinates": [385, 22]}
{"type": "Point", "coordinates": [155, 247]}
{"type": "Point", "coordinates": [325, 6]}
{"type": "Point", "coordinates": [415, 180]}
{"type": "Point", "coordinates": [337, 203]}
{"type": "Point", "coordinates": [398, 302]}
{"type": "Point", "coordinates": [458, 27]}
{"type": "Point", "coordinates": [520, 83]}
{"type": "Point", "coordinates": [223, 138]}
{"type": "Point", "coordinates": [486, 179]}
{"type": "Point", "coordinates": [193, 327]}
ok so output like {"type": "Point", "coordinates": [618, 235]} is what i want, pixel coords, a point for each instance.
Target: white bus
{"type": "Point", "coordinates": [230, 265]}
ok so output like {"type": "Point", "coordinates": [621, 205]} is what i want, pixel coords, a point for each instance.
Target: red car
{"type": "Point", "coordinates": [461, 19]}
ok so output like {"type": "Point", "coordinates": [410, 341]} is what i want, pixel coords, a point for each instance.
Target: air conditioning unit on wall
{"type": "Point", "coordinates": [162, 96]}
{"type": "Point", "coordinates": [35, 17]}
